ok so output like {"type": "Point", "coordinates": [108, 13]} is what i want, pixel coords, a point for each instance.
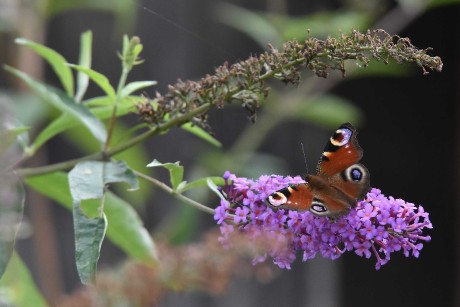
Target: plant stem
{"type": "Point", "coordinates": [121, 84]}
{"type": "Point", "coordinates": [170, 191]}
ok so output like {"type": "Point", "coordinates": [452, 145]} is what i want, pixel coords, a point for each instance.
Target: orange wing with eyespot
{"type": "Point", "coordinates": [341, 151]}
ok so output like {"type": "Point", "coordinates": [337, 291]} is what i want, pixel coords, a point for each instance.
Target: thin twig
{"type": "Point", "coordinates": [179, 196]}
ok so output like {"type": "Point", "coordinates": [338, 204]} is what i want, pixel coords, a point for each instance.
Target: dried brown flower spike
{"type": "Point", "coordinates": [244, 82]}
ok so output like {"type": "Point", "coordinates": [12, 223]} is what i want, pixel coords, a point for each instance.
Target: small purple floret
{"type": "Point", "coordinates": [378, 226]}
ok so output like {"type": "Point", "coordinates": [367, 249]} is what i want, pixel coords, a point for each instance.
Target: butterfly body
{"type": "Point", "coordinates": [339, 183]}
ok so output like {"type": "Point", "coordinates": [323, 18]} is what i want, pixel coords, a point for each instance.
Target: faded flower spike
{"type": "Point", "coordinates": [379, 225]}
{"type": "Point", "coordinates": [244, 82]}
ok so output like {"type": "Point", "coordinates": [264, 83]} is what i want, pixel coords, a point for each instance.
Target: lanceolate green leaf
{"type": "Point", "coordinates": [86, 40]}
{"type": "Point", "coordinates": [135, 86]}
{"type": "Point", "coordinates": [53, 185]}
{"type": "Point", "coordinates": [57, 62]}
{"type": "Point", "coordinates": [199, 132]}
{"type": "Point", "coordinates": [18, 282]}
{"type": "Point", "coordinates": [66, 121]}
{"type": "Point", "coordinates": [88, 180]}
{"type": "Point", "coordinates": [89, 234]}
{"type": "Point", "coordinates": [98, 78]}
{"type": "Point", "coordinates": [58, 99]}
{"type": "Point", "coordinates": [124, 228]}
{"type": "Point", "coordinates": [176, 171]}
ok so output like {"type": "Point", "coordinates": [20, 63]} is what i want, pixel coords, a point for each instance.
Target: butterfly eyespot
{"type": "Point", "coordinates": [318, 208]}
{"type": "Point", "coordinates": [341, 137]}
{"type": "Point", "coordinates": [277, 199]}
{"type": "Point", "coordinates": [355, 173]}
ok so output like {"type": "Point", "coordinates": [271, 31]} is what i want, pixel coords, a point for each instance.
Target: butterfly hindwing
{"type": "Point", "coordinates": [354, 181]}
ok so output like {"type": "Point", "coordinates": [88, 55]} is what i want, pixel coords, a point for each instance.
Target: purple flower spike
{"type": "Point", "coordinates": [378, 226]}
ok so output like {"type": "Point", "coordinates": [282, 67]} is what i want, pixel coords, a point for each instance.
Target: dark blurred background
{"type": "Point", "coordinates": [407, 122]}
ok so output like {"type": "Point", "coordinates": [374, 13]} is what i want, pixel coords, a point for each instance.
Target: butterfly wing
{"type": "Point", "coordinates": [354, 181]}
{"type": "Point", "coordinates": [341, 151]}
{"type": "Point", "coordinates": [294, 197]}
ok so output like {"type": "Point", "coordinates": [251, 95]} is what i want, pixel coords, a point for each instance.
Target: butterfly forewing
{"type": "Point", "coordinates": [295, 197]}
{"type": "Point", "coordinates": [341, 151]}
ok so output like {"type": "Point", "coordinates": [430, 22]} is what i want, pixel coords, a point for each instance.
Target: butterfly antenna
{"type": "Point", "coordinates": [304, 157]}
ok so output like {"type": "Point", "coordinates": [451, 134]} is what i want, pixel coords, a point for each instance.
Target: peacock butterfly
{"type": "Point", "coordinates": [340, 181]}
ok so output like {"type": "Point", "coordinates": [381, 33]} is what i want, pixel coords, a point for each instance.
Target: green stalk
{"type": "Point", "coordinates": [170, 191]}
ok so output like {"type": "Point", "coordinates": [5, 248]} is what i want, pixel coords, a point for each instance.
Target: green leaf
{"type": "Point", "coordinates": [202, 182]}
{"type": "Point", "coordinates": [119, 172]}
{"type": "Point", "coordinates": [57, 62]}
{"type": "Point", "coordinates": [124, 229]}
{"type": "Point", "coordinates": [135, 86]}
{"type": "Point", "coordinates": [66, 121]}
{"type": "Point", "coordinates": [98, 78]}
{"type": "Point", "coordinates": [60, 124]}
{"type": "Point", "coordinates": [199, 132]}
{"type": "Point", "coordinates": [330, 111]}
{"type": "Point", "coordinates": [11, 211]}
{"type": "Point", "coordinates": [176, 171]}
{"type": "Point", "coordinates": [249, 22]}
{"type": "Point", "coordinates": [53, 185]}
{"type": "Point", "coordinates": [86, 40]}
{"type": "Point", "coordinates": [64, 103]}
{"type": "Point", "coordinates": [213, 186]}
{"type": "Point", "coordinates": [87, 180]}
{"type": "Point", "coordinates": [89, 234]}
{"type": "Point", "coordinates": [103, 101]}
{"type": "Point", "coordinates": [18, 287]}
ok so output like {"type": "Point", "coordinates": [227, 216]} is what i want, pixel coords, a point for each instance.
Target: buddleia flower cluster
{"type": "Point", "coordinates": [378, 225]}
